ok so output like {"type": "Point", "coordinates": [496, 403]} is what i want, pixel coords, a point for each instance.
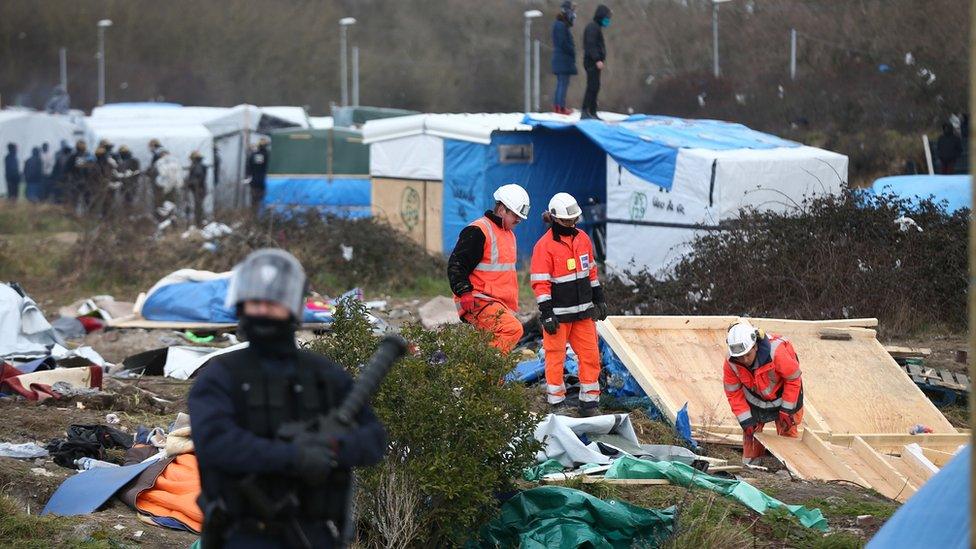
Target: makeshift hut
{"type": "Point", "coordinates": [656, 182]}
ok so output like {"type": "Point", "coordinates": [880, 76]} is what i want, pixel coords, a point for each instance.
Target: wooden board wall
{"type": "Point", "coordinates": [413, 207]}
{"type": "Point", "coordinates": [850, 385]}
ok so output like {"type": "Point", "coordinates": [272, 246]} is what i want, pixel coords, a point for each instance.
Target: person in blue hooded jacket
{"type": "Point", "coordinates": [563, 55]}
{"type": "Point", "coordinates": [594, 58]}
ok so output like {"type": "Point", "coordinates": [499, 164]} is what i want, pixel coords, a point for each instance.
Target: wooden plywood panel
{"type": "Point", "coordinates": [914, 476]}
{"type": "Point", "coordinates": [893, 443]}
{"type": "Point", "coordinates": [808, 457]}
{"type": "Point", "coordinates": [400, 202]}
{"type": "Point", "coordinates": [882, 476]}
{"type": "Point", "coordinates": [434, 216]}
{"type": "Point", "coordinates": [850, 385]}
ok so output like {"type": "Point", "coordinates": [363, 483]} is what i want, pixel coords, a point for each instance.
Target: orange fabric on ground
{"type": "Point", "coordinates": [581, 335]}
{"type": "Point", "coordinates": [498, 320]}
{"type": "Point", "coordinates": [175, 493]}
{"type": "Point", "coordinates": [752, 448]}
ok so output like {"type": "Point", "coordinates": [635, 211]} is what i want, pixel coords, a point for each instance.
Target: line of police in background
{"type": "Point", "coordinates": [111, 180]}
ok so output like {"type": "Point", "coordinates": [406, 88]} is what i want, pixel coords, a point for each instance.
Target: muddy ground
{"type": "Point", "coordinates": [155, 401]}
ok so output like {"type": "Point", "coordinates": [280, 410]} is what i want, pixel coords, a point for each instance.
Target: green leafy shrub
{"type": "Point", "coordinates": [457, 433]}
{"type": "Point", "coordinates": [832, 257]}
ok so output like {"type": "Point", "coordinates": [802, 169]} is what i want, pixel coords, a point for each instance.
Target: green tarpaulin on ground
{"type": "Point", "coordinates": [679, 474]}
{"type": "Point", "coordinates": [553, 517]}
{"type": "Point", "coordinates": [536, 472]}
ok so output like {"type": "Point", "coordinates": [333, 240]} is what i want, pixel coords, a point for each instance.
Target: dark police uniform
{"type": "Point", "coordinates": [236, 406]}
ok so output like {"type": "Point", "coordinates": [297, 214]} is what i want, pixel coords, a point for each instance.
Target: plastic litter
{"type": "Point", "coordinates": [553, 517]}
{"type": "Point", "coordinates": [679, 474]}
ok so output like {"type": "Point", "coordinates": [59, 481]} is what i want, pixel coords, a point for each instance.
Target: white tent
{"type": "Point", "coordinates": [690, 174]}
{"type": "Point", "coordinates": [28, 129]}
{"type": "Point", "coordinates": [651, 227]}
{"type": "Point", "coordinates": [183, 130]}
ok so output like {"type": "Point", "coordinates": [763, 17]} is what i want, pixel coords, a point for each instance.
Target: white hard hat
{"type": "Point", "coordinates": [564, 206]}
{"type": "Point", "coordinates": [514, 198]}
{"type": "Point", "coordinates": [741, 338]}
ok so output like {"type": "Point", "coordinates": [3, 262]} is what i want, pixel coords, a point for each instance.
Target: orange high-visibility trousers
{"type": "Point", "coordinates": [581, 335]}
{"type": "Point", "coordinates": [499, 321]}
{"type": "Point", "coordinates": [752, 448]}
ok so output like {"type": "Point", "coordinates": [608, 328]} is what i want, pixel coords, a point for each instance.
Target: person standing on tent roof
{"type": "Point", "coordinates": [563, 54]}
{"type": "Point", "coordinates": [257, 173]}
{"type": "Point", "coordinates": [258, 490]}
{"type": "Point", "coordinates": [762, 383]}
{"type": "Point", "coordinates": [594, 58]}
{"type": "Point", "coordinates": [567, 289]}
{"type": "Point", "coordinates": [481, 269]}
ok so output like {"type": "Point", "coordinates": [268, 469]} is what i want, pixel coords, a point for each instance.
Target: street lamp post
{"type": "Point", "coordinates": [102, 25]}
{"type": "Point", "coordinates": [344, 24]}
{"type": "Point", "coordinates": [529, 16]}
{"type": "Point", "coordinates": [717, 71]}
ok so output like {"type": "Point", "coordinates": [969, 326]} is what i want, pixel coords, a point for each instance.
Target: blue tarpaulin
{"type": "Point", "coordinates": [203, 301]}
{"type": "Point", "coordinates": [648, 145]}
{"type": "Point", "coordinates": [558, 162]}
{"type": "Point", "coordinates": [936, 516]}
{"type": "Point", "coordinates": [955, 190]}
{"type": "Point", "coordinates": [86, 491]}
{"type": "Point", "coordinates": [332, 195]}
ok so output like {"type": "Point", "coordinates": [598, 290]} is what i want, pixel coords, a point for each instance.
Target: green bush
{"type": "Point", "coordinates": [833, 257]}
{"type": "Point", "coordinates": [458, 435]}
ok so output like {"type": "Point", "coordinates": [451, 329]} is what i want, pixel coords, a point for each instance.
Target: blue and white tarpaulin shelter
{"type": "Point", "coordinates": [663, 180]}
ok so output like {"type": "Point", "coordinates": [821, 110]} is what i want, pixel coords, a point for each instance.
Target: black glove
{"type": "Point", "coordinates": [600, 310]}
{"type": "Point", "coordinates": [550, 324]}
{"type": "Point", "coordinates": [316, 456]}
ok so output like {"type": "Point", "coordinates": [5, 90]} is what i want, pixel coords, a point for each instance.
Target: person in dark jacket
{"type": "Point", "coordinates": [257, 173]}
{"type": "Point", "coordinates": [196, 185]}
{"type": "Point", "coordinates": [563, 55]}
{"type": "Point", "coordinates": [81, 171]}
{"type": "Point", "coordinates": [34, 175]}
{"type": "Point", "coordinates": [130, 172]}
{"type": "Point", "coordinates": [239, 401]}
{"type": "Point", "coordinates": [11, 170]}
{"type": "Point", "coordinates": [949, 149]}
{"type": "Point", "coordinates": [60, 172]}
{"type": "Point", "coordinates": [594, 58]}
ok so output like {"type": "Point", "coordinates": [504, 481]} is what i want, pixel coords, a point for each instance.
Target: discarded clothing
{"type": "Point", "coordinates": [174, 493]}
{"type": "Point", "coordinates": [24, 332]}
{"type": "Point", "coordinates": [66, 389]}
{"type": "Point", "coordinates": [36, 365]}
{"type": "Point", "coordinates": [561, 437]}
{"type": "Point", "coordinates": [86, 463]}
{"type": "Point", "coordinates": [554, 517]}
{"type": "Point", "coordinates": [85, 492]}
{"type": "Point", "coordinates": [178, 440]}
{"type": "Point", "coordinates": [27, 450]}
{"type": "Point", "coordinates": [38, 385]}
{"type": "Point", "coordinates": [680, 474]}
{"type": "Point", "coordinates": [86, 441]}
{"type": "Point", "coordinates": [81, 356]}
{"type": "Point", "coordinates": [69, 327]}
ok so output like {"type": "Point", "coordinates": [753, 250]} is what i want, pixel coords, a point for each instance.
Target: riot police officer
{"type": "Point", "coordinates": [257, 489]}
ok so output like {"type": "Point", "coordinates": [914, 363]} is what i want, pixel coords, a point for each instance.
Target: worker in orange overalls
{"type": "Point", "coordinates": [570, 298]}
{"type": "Point", "coordinates": [763, 384]}
{"type": "Point", "coordinates": [481, 269]}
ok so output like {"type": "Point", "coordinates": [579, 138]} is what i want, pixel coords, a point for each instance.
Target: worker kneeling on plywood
{"type": "Point", "coordinates": [763, 384]}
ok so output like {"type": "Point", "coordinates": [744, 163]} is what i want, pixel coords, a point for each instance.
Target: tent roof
{"type": "Point", "coordinates": [293, 115]}
{"type": "Point", "coordinates": [474, 127]}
